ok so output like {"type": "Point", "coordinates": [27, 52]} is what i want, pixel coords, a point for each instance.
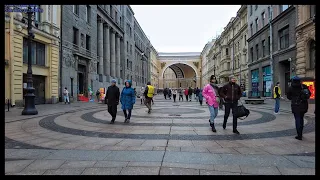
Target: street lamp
{"type": "Point", "coordinates": [29, 107]}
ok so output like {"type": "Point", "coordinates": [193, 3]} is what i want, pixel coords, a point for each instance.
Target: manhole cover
{"type": "Point", "coordinates": [174, 114]}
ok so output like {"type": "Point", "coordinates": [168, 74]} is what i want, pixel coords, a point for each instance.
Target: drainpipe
{"type": "Point", "coordinates": [271, 58]}
{"type": "Point", "coordinates": [61, 55]}
{"type": "Point", "coordinates": [13, 101]}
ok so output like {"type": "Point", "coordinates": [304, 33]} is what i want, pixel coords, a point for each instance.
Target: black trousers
{"type": "Point", "coordinates": [127, 116]}
{"type": "Point", "coordinates": [227, 107]}
{"type": "Point", "coordinates": [200, 101]}
{"type": "Point", "coordinates": [187, 97]}
{"type": "Point", "coordinates": [112, 109]}
{"type": "Point", "coordinates": [299, 122]}
{"type": "Point", "coordinates": [180, 97]}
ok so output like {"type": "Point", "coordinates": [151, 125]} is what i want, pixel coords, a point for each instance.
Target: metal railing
{"type": "Point", "coordinates": [80, 50]}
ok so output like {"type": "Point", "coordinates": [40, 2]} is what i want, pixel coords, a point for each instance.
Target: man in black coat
{"type": "Point", "coordinates": [190, 92]}
{"type": "Point", "coordinates": [299, 104]}
{"type": "Point", "coordinates": [112, 99]}
{"type": "Point", "coordinates": [231, 93]}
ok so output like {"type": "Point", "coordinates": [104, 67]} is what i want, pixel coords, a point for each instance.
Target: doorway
{"type": "Point", "coordinates": [82, 79]}
{"type": "Point", "coordinates": [80, 83]}
{"type": "Point", "coordinates": [39, 88]}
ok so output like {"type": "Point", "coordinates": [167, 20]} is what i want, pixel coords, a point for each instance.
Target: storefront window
{"type": "Point", "coordinates": [267, 81]}
{"type": "Point", "coordinates": [255, 83]}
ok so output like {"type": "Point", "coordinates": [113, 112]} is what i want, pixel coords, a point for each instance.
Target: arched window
{"type": "Point", "coordinates": [312, 54]}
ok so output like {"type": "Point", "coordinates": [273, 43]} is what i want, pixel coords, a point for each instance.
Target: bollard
{"type": "Point", "coordinates": [8, 104]}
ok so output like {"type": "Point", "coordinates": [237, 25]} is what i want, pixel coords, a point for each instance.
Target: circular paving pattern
{"type": "Point", "coordinates": [192, 125]}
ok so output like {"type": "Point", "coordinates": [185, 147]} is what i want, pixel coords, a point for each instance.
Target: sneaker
{"type": "Point", "coordinates": [236, 131]}
{"type": "Point", "coordinates": [149, 111]}
{"type": "Point", "coordinates": [112, 122]}
{"type": "Point", "coordinates": [298, 137]}
{"type": "Point", "coordinates": [125, 120]}
{"type": "Point", "coordinates": [128, 120]}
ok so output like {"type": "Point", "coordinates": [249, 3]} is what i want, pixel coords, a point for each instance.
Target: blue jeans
{"type": "Point", "coordinates": [277, 105]}
{"type": "Point", "coordinates": [66, 99]}
{"type": "Point", "coordinates": [213, 113]}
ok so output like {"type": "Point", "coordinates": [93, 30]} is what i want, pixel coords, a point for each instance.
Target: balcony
{"type": "Point", "coordinates": [80, 50]}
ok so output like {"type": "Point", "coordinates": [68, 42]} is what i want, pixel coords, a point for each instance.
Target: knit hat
{"type": "Point", "coordinates": [114, 81]}
{"type": "Point", "coordinates": [212, 77]}
{"type": "Point", "coordinates": [296, 78]}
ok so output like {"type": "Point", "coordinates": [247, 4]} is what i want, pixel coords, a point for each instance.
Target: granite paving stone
{"type": "Point", "coordinates": [172, 148]}
{"type": "Point", "coordinates": [189, 166]}
{"type": "Point", "coordinates": [102, 171]}
{"type": "Point", "coordinates": [29, 153]}
{"type": "Point", "coordinates": [159, 148]}
{"type": "Point", "coordinates": [192, 158]}
{"type": "Point", "coordinates": [131, 142]}
{"type": "Point", "coordinates": [135, 156]}
{"type": "Point", "coordinates": [140, 148]}
{"type": "Point", "coordinates": [91, 146]}
{"type": "Point", "coordinates": [111, 164]}
{"type": "Point", "coordinates": [78, 164]}
{"type": "Point", "coordinates": [79, 155]}
{"type": "Point", "coordinates": [140, 171]}
{"type": "Point", "coordinates": [73, 171]}
{"type": "Point", "coordinates": [222, 151]}
{"type": "Point", "coordinates": [178, 171]}
{"type": "Point", "coordinates": [155, 143]}
{"type": "Point", "coordinates": [206, 172]}
{"type": "Point", "coordinates": [44, 164]}
{"type": "Point", "coordinates": [35, 172]}
{"type": "Point", "coordinates": [16, 166]}
{"type": "Point", "coordinates": [266, 170]}
{"type": "Point", "coordinates": [252, 150]}
{"type": "Point", "coordinates": [179, 143]}
{"type": "Point", "coordinates": [114, 148]}
{"type": "Point", "coordinates": [302, 161]}
{"type": "Point", "coordinates": [297, 171]}
{"type": "Point", "coordinates": [144, 164]}
{"type": "Point", "coordinates": [193, 149]}
{"type": "Point", "coordinates": [227, 168]}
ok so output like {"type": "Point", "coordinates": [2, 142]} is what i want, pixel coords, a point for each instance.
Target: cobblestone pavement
{"type": "Point", "coordinates": [175, 139]}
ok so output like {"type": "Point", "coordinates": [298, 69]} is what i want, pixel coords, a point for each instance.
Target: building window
{"type": "Point", "coordinates": [130, 48]}
{"type": "Point", "coordinates": [75, 36]}
{"type": "Point", "coordinates": [88, 43]}
{"type": "Point", "coordinates": [284, 38]}
{"type": "Point", "coordinates": [127, 63]}
{"type": "Point", "coordinates": [38, 52]}
{"type": "Point", "coordinates": [116, 17]}
{"type": "Point", "coordinates": [270, 13]}
{"type": "Point", "coordinates": [312, 54]}
{"type": "Point", "coordinates": [82, 40]}
{"type": "Point", "coordinates": [312, 10]}
{"type": "Point", "coordinates": [263, 47]}
{"type": "Point", "coordinates": [257, 51]}
{"type": "Point", "coordinates": [257, 23]}
{"type": "Point", "coordinates": [228, 66]}
{"type": "Point", "coordinates": [245, 40]}
{"type": "Point", "coordinates": [227, 51]}
{"type": "Point", "coordinates": [283, 8]}
{"type": "Point", "coordinates": [269, 44]}
{"type": "Point", "coordinates": [251, 29]}
{"type": "Point", "coordinates": [250, 10]}
{"type": "Point", "coordinates": [88, 13]}
{"type": "Point", "coordinates": [251, 54]}
{"type": "Point", "coordinates": [263, 17]}
{"type": "Point", "coordinates": [127, 46]}
{"type": "Point", "coordinates": [98, 70]}
{"type": "Point", "coordinates": [256, 7]}
{"type": "Point", "coordinates": [76, 9]}
{"type": "Point", "coordinates": [71, 89]}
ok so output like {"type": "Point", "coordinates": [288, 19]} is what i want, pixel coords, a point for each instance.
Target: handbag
{"type": "Point", "coordinates": [241, 112]}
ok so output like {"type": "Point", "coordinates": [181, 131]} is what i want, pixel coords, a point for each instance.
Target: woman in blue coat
{"type": "Point", "coordinates": [200, 96]}
{"type": "Point", "coordinates": [127, 99]}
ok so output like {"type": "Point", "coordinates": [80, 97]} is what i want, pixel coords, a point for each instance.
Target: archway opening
{"type": "Point", "coordinates": [179, 75]}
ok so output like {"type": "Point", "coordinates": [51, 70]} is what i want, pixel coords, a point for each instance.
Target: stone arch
{"type": "Point", "coordinates": [173, 63]}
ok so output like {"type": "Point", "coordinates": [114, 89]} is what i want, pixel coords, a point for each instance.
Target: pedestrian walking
{"type": "Point", "coordinates": [98, 95]}
{"type": "Point", "coordinates": [186, 93]}
{"type": "Point", "coordinates": [299, 94]}
{"type": "Point", "coordinates": [66, 96]}
{"type": "Point", "coordinates": [170, 93]}
{"type": "Point", "coordinates": [180, 92]}
{"type": "Point", "coordinates": [148, 93]}
{"type": "Point", "coordinates": [127, 100]}
{"type": "Point", "coordinates": [210, 94]}
{"type": "Point", "coordinates": [165, 93]}
{"type": "Point", "coordinates": [197, 93]}
{"type": "Point", "coordinates": [174, 94]}
{"type": "Point", "coordinates": [200, 96]}
{"type": "Point", "coordinates": [112, 99]}
{"type": "Point", "coordinates": [142, 98]}
{"type": "Point", "coordinates": [190, 91]}
{"type": "Point", "coordinates": [231, 93]}
{"type": "Point", "coordinates": [277, 95]}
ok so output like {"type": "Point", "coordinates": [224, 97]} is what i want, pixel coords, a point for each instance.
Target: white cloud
{"type": "Point", "coordinates": [182, 28]}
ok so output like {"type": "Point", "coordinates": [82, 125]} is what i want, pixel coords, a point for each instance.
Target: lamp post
{"type": "Point", "coordinates": [29, 107]}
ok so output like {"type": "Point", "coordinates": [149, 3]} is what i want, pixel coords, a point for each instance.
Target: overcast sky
{"type": "Point", "coordinates": [183, 28]}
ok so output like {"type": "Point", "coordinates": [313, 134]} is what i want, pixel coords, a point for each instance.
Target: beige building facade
{"type": "Point", "coordinates": [154, 67]}
{"type": "Point", "coordinates": [205, 63]}
{"type": "Point", "coordinates": [306, 38]}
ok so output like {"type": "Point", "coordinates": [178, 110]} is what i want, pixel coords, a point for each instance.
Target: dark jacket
{"type": "Point", "coordinates": [127, 99]}
{"type": "Point", "coordinates": [276, 89]}
{"type": "Point", "coordinates": [197, 91]}
{"type": "Point", "coordinates": [112, 95]}
{"type": "Point", "coordinates": [190, 91]}
{"type": "Point", "coordinates": [230, 92]}
{"type": "Point", "coordinates": [293, 94]}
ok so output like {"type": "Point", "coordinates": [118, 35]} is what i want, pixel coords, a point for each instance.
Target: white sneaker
{"type": "Point", "coordinates": [277, 113]}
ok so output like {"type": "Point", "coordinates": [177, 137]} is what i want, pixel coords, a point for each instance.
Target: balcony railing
{"type": "Point", "coordinates": [77, 49]}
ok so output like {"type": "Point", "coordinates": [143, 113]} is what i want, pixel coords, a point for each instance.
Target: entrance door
{"type": "Point", "coordinates": [39, 88]}
{"type": "Point", "coordinates": [82, 79]}
{"type": "Point", "coordinates": [80, 83]}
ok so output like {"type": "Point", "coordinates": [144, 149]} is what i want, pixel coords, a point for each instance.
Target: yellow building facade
{"type": "Point", "coordinates": [155, 67]}
{"type": "Point", "coordinates": [45, 55]}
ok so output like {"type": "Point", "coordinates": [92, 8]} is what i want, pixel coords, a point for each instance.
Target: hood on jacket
{"type": "Point", "coordinates": [130, 83]}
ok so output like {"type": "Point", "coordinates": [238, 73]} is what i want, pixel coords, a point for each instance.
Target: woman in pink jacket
{"type": "Point", "coordinates": [210, 94]}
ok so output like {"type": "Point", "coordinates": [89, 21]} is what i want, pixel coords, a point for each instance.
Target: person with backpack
{"type": "Point", "coordinates": [299, 94]}
{"type": "Point", "coordinates": [127, 99]}
{"type": "Point", "coordinates": [112, 99]}
{"type": "Point", "coordinates": [276, 96]}
{"type": "Point", "coordinates": [98, 95]}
